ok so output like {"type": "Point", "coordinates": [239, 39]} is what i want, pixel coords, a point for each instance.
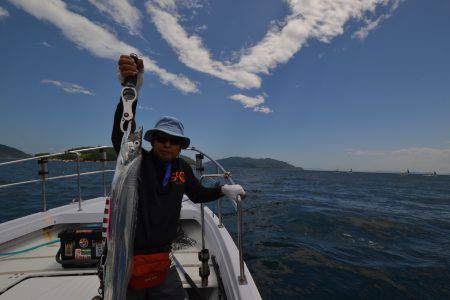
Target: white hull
{"type": "Point", "coordinates": [36, 275]}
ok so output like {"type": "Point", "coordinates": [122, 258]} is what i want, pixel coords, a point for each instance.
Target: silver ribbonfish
{"type": "Point", "coordinates": [123, 206]}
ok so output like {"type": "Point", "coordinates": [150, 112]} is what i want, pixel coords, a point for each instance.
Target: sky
{"type": "Point", "coordinates": [321, 84]}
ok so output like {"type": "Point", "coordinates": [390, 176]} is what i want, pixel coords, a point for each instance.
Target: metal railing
{"type": "Point", "coordinates": [43, 172]}
{"type": "Point", "coordinates": [222, 173]}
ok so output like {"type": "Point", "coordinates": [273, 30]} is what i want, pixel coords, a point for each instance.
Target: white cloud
{"type": "Point", "coordinates": [200, 28]}
{"type": "Point", "coordinates": [372, 24]}
{"type": "Point", "coordinates": [366, 152]}
{"type": "Point", "coordinates": [122, 12]}
{"type": "Point", "coordinates": [411, 152]}
{"type": "Point", "coordinates": [192, 4]}
{"type": "Point", "coordinates": [263, 109]}
{"type": "Point", "coordinates": [96, 39]}
{"type": "Point", "coordinates": [252, 102]}
{"type": "Point", "coordinates": [68, 87]}
{"type": "Point", "coordinates": [308, 19]}
{"type": "Point", "coordinates": [190, 49]}
{"type": "Point", "coordinates": [248, 101]}
{"type": "Point", "coordinates": [142, 107]}
{"type": "Point", "coordinates": [3, 13]}
{"type": "Point", "coordinates": [363, 32]}
{"type": "Point", "coordinates": [422, 152]}
{"type": "Point", "coordinates": [45, 44]}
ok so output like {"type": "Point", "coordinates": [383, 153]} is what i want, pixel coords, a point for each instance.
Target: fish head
{"type": "Point", "coordinates": [131, 145]}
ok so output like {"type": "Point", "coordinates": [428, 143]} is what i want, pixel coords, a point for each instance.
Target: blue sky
{"type": "Point", "coordinates": [320, 84]}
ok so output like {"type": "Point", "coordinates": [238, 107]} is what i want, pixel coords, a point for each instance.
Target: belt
{"type": "Point", "coordinates": [153, 250]}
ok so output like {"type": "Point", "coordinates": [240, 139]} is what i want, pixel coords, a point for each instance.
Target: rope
{"type": "Point", "coordinates": [29, 249]}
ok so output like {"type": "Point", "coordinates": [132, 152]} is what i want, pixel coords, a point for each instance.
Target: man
{"type": "Point", "coordinates": [164, 178]}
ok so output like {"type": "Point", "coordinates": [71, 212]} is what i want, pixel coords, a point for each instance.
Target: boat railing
{"type": "Point", "coordinates": [43, 172]}
{"type": "Point", "coordinates": [222, 173]}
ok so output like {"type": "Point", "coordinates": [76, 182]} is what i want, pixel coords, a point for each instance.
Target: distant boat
{"type": "Point", "coordinates": [405, 173]}
{"type": "Point", "coordinates": [431, 174]}
{"type": "Point", "coordinates": [350, 171]}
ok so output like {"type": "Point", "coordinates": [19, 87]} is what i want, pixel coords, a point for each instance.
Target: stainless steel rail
{"type": "Point", "coordinates": [238, 206]}
{"type": "Point", "coordinates": [220, 172]}
{"type": "Point", "coordinates": [43, 172]}
{"type": "Point", "coordinates": [54, 178]}
{"type": "Point", "coordinates": [74, 151]}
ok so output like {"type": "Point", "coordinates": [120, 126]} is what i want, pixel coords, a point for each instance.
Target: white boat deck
{"type": "Point", "coordinates": [35, 274]}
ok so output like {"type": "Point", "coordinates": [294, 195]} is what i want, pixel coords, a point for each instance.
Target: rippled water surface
{"type": "Point", "coordinates": [311, 234]}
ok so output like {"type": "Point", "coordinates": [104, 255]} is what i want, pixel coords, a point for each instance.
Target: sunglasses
{"type": "Point", "coordinates": [162, 139]}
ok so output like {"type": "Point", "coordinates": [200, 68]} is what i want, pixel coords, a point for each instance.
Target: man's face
{"type": "Point", "coordinates": [166, 147]}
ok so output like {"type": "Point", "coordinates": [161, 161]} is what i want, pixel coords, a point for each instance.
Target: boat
{"type": "Point", "coordinates": [29, 246]}
{"type": "Point", "coordinates": [406, 173]}
{"type": "Point", "coordinates": [431, 174]}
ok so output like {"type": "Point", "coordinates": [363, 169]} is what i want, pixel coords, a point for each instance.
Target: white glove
{"type": "Point", "coordinates": [233, 190]}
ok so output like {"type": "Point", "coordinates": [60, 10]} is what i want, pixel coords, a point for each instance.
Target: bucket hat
{"type": "Point", "coordinates": [171, 126]}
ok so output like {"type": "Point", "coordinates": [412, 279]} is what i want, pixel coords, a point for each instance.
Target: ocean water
{"type": "Point", "coordinates": [310, 234]}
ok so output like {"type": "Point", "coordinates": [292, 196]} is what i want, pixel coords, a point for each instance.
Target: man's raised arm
{"type": "Point", "coordinates": [127, 67]}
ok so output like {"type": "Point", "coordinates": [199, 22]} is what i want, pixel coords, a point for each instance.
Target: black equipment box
{"type": "Point", "coordinates": [80, 247]}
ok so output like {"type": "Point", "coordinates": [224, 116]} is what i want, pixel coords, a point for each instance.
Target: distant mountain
{"type": "Point", "coordinates": [247, 162]}
{"type": "Point", "coordinates": [188, 159]}
{"type": "Point", "coordinates": [7, 152]}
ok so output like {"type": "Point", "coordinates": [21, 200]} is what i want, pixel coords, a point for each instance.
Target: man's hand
{"type": "Point", "coordinates": [233, 190]}
{"type": "Point", "coordinates": [129, 67]}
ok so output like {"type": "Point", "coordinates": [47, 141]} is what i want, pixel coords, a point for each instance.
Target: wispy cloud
{"type": "Point", "coordinates": [200, 28]}
{"type": "Point", "coordinates": [68, 87]}
{"type": "Point", "coordinates": [322, 20]}
{"type": "Point", "coordinates": [45, 44]}
{"type": "Point", "coordinates": [190, 49]}
{"type": "Point", "coordinates": [372, 24]}
{"type": "Point", "coordinates": [122, 12]}
{"type": "Point", "coordinates": [263, 109]}
{"type": "Point", "coordinates": [252, 102]}
{"type": "Point", "coordinates": [422, 159]}
{"type": "Point", "coordinates": [3, 13]}
{"type": "Point", "coordinates": [192, 4]}
{"type": "Point", "coordinates": [422, 152]}
{"type": "Point", "coordinates": [360, 152]}
{"type": "Point", "coordinates": [413, 152]}
{"type": "Point", "coordinates": [96, 39]}
{"type": "Point", "coordinates": [142, 107]}
{"type": "Point", "coordinates": [248, 101]}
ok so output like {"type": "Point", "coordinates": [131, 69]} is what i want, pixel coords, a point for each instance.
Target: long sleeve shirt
{"type": "Point", "coordinates": [159, 205]}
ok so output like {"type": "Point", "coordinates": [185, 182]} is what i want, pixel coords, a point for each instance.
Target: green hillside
{"type": "Point", "coordinates": [7, 152]}
{"type": "Point", "coordinates": [247, 162]}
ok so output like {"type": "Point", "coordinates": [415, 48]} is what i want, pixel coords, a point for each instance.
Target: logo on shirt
{"type": "Point", "coordinates": [178, 177]}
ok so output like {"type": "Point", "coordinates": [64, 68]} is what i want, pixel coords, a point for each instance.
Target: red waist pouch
{"type": "Point", "coordinates": [149, 270]}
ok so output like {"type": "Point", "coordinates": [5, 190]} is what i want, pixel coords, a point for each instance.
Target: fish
{"type": "Point", "coordinates": [123, 214]}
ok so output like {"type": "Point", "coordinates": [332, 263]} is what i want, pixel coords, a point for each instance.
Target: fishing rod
{"type": "Point", "coordinates": [128, 98]}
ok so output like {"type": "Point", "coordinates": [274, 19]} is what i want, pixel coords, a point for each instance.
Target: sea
{"type": "Point", "coordinates": [308, 234]}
